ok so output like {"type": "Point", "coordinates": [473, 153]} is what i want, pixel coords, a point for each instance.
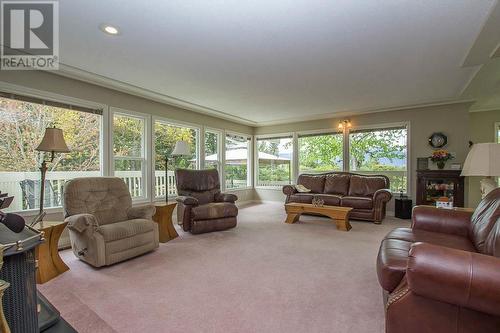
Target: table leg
{"type": "Point", "coordinates": [59, 264]}
{"type": "Point", "coordinates": [343, 224]}
{"type": "Point", "coordinates": [292, 217]}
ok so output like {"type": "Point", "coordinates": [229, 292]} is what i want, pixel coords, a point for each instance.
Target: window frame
{"type": "Point", "coordinates": [250, 152]}
{"type": "Point", "coordinates": [103, 136]}
{"type": "Point", "coordinates": [319, 132]}
{"type": "Point", "coordinates": [293, 177]}
{"type": "Point", "coordinates": [220, 136]}
{"type": "Point", "coordinates": [383, 126]}
{"type": "Point", "coordinates": [146, 154]}
{"type": "Point", "coordinates": [198, 128]}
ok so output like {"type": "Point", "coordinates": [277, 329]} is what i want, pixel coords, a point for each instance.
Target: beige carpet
{"type": "Point", "coordinates": [263, 276]}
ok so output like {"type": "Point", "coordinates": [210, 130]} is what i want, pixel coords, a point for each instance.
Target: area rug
{"type": "Point", "coordinates": [262, 276]}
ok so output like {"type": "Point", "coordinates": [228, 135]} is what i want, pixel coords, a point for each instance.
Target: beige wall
{"type": "Point", "coordinates": [482, 129]}
{"type": "Point", "coordinates": [452, 120]}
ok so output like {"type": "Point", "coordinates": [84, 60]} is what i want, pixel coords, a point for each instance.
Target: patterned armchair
{"type": "Point", "coordinates": [103, 226]}
{"type": "Point", "coordinates": [202, 207]}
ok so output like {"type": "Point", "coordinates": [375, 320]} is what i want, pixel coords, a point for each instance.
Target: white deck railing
{"type": "Point", "coordinates": [25, 186]}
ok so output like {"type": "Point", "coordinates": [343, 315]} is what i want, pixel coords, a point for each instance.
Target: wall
{"type": "Point", "coordinates": [452, 120]}
{"type": "Point", "coordinates": [482, 129]}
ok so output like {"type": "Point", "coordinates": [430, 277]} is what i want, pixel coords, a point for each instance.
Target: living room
{"type": "Point", "coordinates": [252, 167]}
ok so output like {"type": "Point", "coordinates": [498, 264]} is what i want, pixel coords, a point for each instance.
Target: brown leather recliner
{"type": "Point", "coordinates": [201, 205]}
{"type": "Point", "coordinates": [443, 274]}
{"type": "Point", "coordinates": [366, 194]}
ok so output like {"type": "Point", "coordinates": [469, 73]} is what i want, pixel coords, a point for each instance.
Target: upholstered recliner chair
{"type": "Point", "coordinates": [103, 226]}
{"type": "Point", "coordinates": [202, 207]}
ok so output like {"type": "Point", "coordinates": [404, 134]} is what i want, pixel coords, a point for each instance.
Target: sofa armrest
{"type": "Point", "coordinates": [447, 221]}
{"type": "Point", "coordinates": [289, 190]}
{"type": "Point", "coordinates": [82, 222]}
{"type": "Point", "coordinates": [466, 279]}
{"type": "Point", "coordinates": [186, 200]}
{"type": "Point", "coordinates": [383, 195]}
{"type": "Point", "coordinates": [142, 212]}
{"type": "Point", "coordinates": [225, 197]}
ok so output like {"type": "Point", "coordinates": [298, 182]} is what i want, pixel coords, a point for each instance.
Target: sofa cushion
{"type": "Point", "coordinates": [329, 199]}
{"type": "Point", "coordinates": [214, 211]}
{"type": "Point", "coordinates": [436, 238]}
{"type": "Point", "coordinates": [125, 229]}
{"type": "Point", "coordinates": [301, 198]}
{"type": "Point", "coordinates": [357, 202]}
{"type": "Point", "coordinates": [393, 253]}
{"type": "Point", "coordinates": [337, 183]}
{"type": "Point", "coordinates": [316, 183]}
{"type": "Point", "coordinates": [366, 186]}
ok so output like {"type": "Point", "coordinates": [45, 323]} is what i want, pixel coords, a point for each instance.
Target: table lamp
{"type": "Point", "coordinates": [53, 142]}
{"type": "Point", "coordinates": [483, 160]}
{"type": "Point", "coordinates": [181, 149]}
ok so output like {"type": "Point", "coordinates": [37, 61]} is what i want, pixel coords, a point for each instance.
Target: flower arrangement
{"type": "Point", "coordinates": [440, 157]}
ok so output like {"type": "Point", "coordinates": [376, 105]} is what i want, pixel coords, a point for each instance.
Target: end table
{"type": "Point", "coordinates": [50, 263]}
{"type": "Point", "coordinates": [163, 217]}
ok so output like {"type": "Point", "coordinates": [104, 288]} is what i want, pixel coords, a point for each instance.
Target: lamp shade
{"type": "Point", "coordinates": [181, 148]}
{"type": "Point", "coordinates": [53, 141]}
{"type": "Point", "coordinates": [483, 160]}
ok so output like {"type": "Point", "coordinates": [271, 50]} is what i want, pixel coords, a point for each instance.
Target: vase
{"type": "Point", "coordinates": [441, 164]}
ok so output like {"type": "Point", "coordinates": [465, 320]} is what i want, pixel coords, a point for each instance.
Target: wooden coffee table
{"type": "Point", "coordinates": [340, 215]}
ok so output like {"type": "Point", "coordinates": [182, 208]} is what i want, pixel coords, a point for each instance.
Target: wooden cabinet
{"type": "Point", "coordinates": [433, 184]}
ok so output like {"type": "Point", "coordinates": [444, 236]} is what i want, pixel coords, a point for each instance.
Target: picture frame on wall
{"type": "Point", "coordinates": [422, 163]}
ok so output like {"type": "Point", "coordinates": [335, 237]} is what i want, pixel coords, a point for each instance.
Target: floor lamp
{"type": "Point", "coordinates": [53, 142]}
{"type": "Point", "coordinates": [483, 160]}
{"type": "Point", "coordinates": [181, 149]}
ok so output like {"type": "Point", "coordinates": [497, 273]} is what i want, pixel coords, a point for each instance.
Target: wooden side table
{"type": "Point", "coordinates": [163, 217]}
{"type": "Point", "coordinates": [50, 263]}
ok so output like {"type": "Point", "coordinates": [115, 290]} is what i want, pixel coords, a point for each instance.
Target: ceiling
{"type": "Point", "coordinates": [261, 62]}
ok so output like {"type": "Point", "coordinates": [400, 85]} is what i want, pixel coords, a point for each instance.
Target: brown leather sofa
{"type": "Point", "coordinates": [201, 205]}
{"type": "Point", "coordinates": [443, 273]}
{"type": "Point", "coordinates": [366, 194]}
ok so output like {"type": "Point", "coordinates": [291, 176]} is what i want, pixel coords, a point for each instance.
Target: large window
{"type": "Point", "coordinates": [237, 161]}
{"type": "Point", "coordinates": [129, 151]}
{"type": "Point", "coordinates": [320, 152]}
{"type": "Point", "coordinates": [380, 151]}
{"type": "Point", "coordinates": [212, 150]}
{"type": "Point", "coordinates": [22, 126]}
{"type": "Point", "coordinates": [274, 157]}
{"type": "Point", "coordinates": [165, 137]}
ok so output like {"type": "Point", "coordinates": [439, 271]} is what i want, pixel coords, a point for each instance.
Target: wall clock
{"type": "Point", "coordinates": [438, 140]}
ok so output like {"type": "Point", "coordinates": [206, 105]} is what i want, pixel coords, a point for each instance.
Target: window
{"type": "Point", "coordinates": [212, 150]}
{"type": "Point", "coordinates": [274, 157]}
{"type": "Point", "coordinates": [380, 151]}
{"type": "Point", "coordinates": [129, 152]}
{"type": "Point", "coordinates": [22, 123]}
{"type": "Point", "coordinates": [320, 152]}
{"type": "Point", "coordinates": [165, 137]}
{"type": "Point", "coordinates": [237, 161]}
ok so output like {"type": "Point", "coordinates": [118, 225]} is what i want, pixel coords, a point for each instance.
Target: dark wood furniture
{"type": "Point", "coordinates": [432, 184]}
{"type": "Point", "coordinates": [402, 208]}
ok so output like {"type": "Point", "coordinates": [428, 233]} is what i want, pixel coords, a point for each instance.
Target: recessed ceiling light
{"type": "Point", "coordinates": [109, 29]}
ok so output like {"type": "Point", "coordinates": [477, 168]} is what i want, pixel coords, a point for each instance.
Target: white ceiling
{"type": "Point", "coordinates": [267, 61]}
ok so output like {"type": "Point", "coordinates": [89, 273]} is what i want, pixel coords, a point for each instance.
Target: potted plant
{"type": "Point", "coordinates": [440, 157]}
